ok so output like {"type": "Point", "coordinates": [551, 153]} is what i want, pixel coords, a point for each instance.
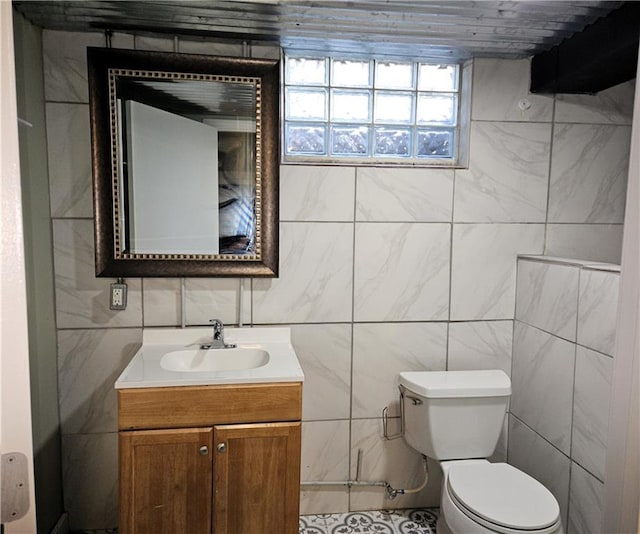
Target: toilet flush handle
{"type": "Point", "coordinates": [415, 400]}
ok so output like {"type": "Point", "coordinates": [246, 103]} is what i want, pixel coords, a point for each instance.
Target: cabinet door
{"type": "Point", "coordinates": [257, 478]}
{"type": "Point", "coordinates": [166, 481]}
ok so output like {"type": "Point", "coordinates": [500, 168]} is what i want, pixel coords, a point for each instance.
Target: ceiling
{"type": "Point", "coordinates": [447, 30]}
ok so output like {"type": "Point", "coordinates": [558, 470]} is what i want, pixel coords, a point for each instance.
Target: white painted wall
{"type": "Point", "coordinates": [15, 417]}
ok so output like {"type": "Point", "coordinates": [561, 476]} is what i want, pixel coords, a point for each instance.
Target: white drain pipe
{"type": "Point", "coordinates": [392, 493]}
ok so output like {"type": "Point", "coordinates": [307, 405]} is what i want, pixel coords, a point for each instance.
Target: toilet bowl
{"type": "Point", "coordinates": [456, 417]}
{"type": "Point", "coordinates": [481, 497]}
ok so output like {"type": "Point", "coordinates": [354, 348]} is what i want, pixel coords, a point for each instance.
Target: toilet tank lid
{"type": "Point", "coordinates": [451, 384]}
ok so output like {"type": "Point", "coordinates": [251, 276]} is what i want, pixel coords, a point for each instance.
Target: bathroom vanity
{"type": "Point", "coordinates": [206, 447]}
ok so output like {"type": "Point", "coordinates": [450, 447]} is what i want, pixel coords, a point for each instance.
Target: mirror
{"type": "Point", "coordinates": [185, 164]}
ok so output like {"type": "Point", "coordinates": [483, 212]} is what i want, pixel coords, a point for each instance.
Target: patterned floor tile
{"type": "Point", "coordinates": [422, 521]}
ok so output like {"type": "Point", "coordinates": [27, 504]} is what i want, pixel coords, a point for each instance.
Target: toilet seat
{"type": "Point", "coordinates": [502, 498]}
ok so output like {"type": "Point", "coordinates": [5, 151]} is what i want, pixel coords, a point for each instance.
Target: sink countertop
{"type": "Point", "coordinates": [144, 369]}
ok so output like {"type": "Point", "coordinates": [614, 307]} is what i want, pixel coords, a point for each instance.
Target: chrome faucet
{"type": "Point", "coordinates": [218, 337]}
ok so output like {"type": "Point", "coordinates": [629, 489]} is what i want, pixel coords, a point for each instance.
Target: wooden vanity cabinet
{"type": "Point", "coordinates": [236, 477]}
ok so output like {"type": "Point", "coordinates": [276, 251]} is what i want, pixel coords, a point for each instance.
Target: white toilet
{"type": "Point", "coordinates": [456, 417]}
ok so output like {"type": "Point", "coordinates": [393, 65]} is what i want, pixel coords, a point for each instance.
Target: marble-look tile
{"type": "Point", "coordinates": [586, 502]}
{"type": "Point", "coordinates": [508, 174]}
{"type": "Point", "coordinates": [499, 87]}
{"type": "Point", "coordinates": [547, 297]}
{"type": "Point", "coordinates": [598, 309]}
{"type": "Point", "coordinates": [535, 456]}
{"type": "Point", "coordinates": [316, 193]}
{"type": "Point", "coordinates": [480, 345]}
{"type": "Point", "coordinates": [82, 300]}
{"type": "Point", "coordinates": [69, 158]}
{"type": "Point", "coordinates": [161, 301]}
{"type": "Point", "coordinates": [611, 106]}
{"type": "Point", "coordinates": [315, 281]}
{"type": "Point", "coordinates": [89, 362]}
{"type": "Point", "coordinates": [483, 271]}
{"type": "Point", "coordinates": [589, 173]}
{"type": "Point", "coordinates": [591, 410]}
{"type": "Point", "coordinates": [324, 351]}
{"type": "Point", "coordinates": [90, 480]}
{"type": "Point", "coordinates": [542, 383]}
{"type": "Point", "coordinates": [325, 456]}
{"type": "Point", "coordinates": [381, 351]}
{"type": "Point", "coordinates": [209, 47]}
{"type": "Point", "coordinates": [65, 64]}
{"type": "Point", "coordinates": [404, 195]}
{"type": "Point", "coordinates": [393, 461]}
{"type": "Point", "coordinates": [500, 453]}
{"type": "Point", "coordinates": [401, 272]}
{"type": "Point", "coordinates": [593, 242]}
{"type": "Point", "coordinates": [157, 44]}
{"type": "Point", "coordinates": [212, 298]}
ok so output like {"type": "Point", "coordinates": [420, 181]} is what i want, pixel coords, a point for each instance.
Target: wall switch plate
{"type": "Point", "coordinates": [118, 298]}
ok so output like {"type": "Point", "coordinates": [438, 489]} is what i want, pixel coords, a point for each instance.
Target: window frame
{"type": "Point", "coordinates": [460, 127]}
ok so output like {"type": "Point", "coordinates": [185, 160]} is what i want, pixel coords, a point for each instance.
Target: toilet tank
{"type": "Point", "coordinates": [451, 415]}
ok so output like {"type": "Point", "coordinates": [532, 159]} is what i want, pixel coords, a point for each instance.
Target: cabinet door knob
{"type": "Point", "coordinates": [204, 450]}
{"type": "Point", "coordinates": [221, 447]}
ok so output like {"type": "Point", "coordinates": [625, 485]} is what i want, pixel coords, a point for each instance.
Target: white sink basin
{"type": "Point", "coordinates": [207, 360]}
{"type": "Point", "coordinates": [172, 357]}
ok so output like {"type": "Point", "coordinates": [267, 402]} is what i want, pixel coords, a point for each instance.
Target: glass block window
{"type": "Point", "coordinates": [370, 110]}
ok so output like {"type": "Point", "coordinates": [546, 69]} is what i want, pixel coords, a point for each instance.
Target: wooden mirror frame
{"type": "Point", "coordinates": [264, 263]}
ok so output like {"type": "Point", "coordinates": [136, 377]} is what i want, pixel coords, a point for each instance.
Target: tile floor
{"type": "Point", "coordinates": [420, 521]}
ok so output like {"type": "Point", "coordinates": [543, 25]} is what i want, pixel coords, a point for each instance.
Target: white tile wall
{"type": "Point", "coordinates": [480, 345]}
{"type": "Point", "coordinates": [89, 362]}
{"type": "Point", "coordinates": [483, 274]}
{"type": "Point", "coordinates": [401, 272]}
{"type": "Point", "coordinates": [324, 351]}
{"type": "Point", "coordinates": [82, 300]}
{"type": "Point", "coordinates": [69, 156]}
{"type": "Point", "coordinates": [65, 64]}
{"type": "Point", "coordinates": [161, 301]}
{"type": "Point", "coordinates": [545, 382]}
{"type": "Point", "coordinates": [593, 242]}
{"type": "Point", "coordinates": [542, 382]}
{"type": "Point", "coordinates": [547, 297]}
{"type": "Point", "coordinates": [404, 195]}
{"type": "Point", "coordinates": [591, 410]}
{"type": "Point", "coordinates": [315, 283]}
{"type": "Point", "coordinates": [325, 457]}
{"type": "Point", "coordinates": [379, 268]}
{"type": "Point", "coordinates": [588, 173]}
{"type": "Point", "coordinates": [500, 86]}
{"type": "Point", "coordinates": [598, 310]}
{"type": "Point", "coordinates": [381, 351]}
{"type": "Point", "coordinates": [316, 193]}
{"type": "Point", "coordinates": [211, 298]}
{"type": "Point", "coordinates": [585, 502]}
{"type": "Point", "coordinates": [507, 178]}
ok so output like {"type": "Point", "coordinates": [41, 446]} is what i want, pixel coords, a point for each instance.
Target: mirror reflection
{"type": "Point", "coordinates": [187, 159]}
